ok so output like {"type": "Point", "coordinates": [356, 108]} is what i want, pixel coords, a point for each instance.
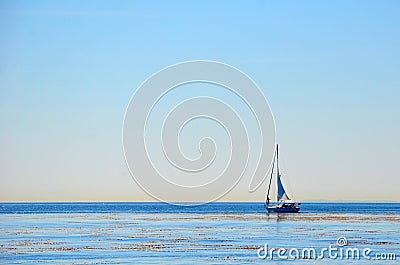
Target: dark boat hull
{"type": "Point", "coordinates": [283, 209]}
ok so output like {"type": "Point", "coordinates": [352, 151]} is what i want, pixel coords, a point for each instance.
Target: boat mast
{"type": "Point", "coordinates": [270, 179]}
{"type": "Point", "coordinates": [277, 172]}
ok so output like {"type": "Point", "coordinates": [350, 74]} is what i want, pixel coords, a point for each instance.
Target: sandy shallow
{"type": "Point", "coordinates": [124, 238]}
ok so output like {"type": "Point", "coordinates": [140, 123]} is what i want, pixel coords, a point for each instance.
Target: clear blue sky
{"type": "Point", "coordinates": [330, 70]}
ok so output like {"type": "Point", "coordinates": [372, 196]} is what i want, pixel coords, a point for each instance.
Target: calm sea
{"type": "Point", "coordinates": [214, 233]}
{"type": "Point", "coordinates": [216, 207]}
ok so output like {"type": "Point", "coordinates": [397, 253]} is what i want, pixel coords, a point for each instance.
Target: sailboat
{"type": "Point", "coordinates": [283, 203]}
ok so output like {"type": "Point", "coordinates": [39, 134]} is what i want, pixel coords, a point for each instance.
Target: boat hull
{"type": "Point", "coordinates": [283, 209]}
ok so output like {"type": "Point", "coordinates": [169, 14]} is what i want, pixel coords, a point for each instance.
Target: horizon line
{"type": "Point", "coordinates": [172, 203]}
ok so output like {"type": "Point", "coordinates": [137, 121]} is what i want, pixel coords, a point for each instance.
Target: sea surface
{"type": "Point", "coordinates": [214, 233]}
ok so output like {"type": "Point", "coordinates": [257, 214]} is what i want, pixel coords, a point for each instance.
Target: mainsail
{"type": "Point", "coordinates": [281, 191]}
{"type": "Point", "coordinates": [281, 194]}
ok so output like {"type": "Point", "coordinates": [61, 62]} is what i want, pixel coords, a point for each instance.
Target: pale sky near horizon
{"type": "Point", "coordinates": [330, 71]}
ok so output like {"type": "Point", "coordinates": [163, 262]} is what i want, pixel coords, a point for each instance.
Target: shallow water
{"type": "Point", "coordinates": [217, 233]}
